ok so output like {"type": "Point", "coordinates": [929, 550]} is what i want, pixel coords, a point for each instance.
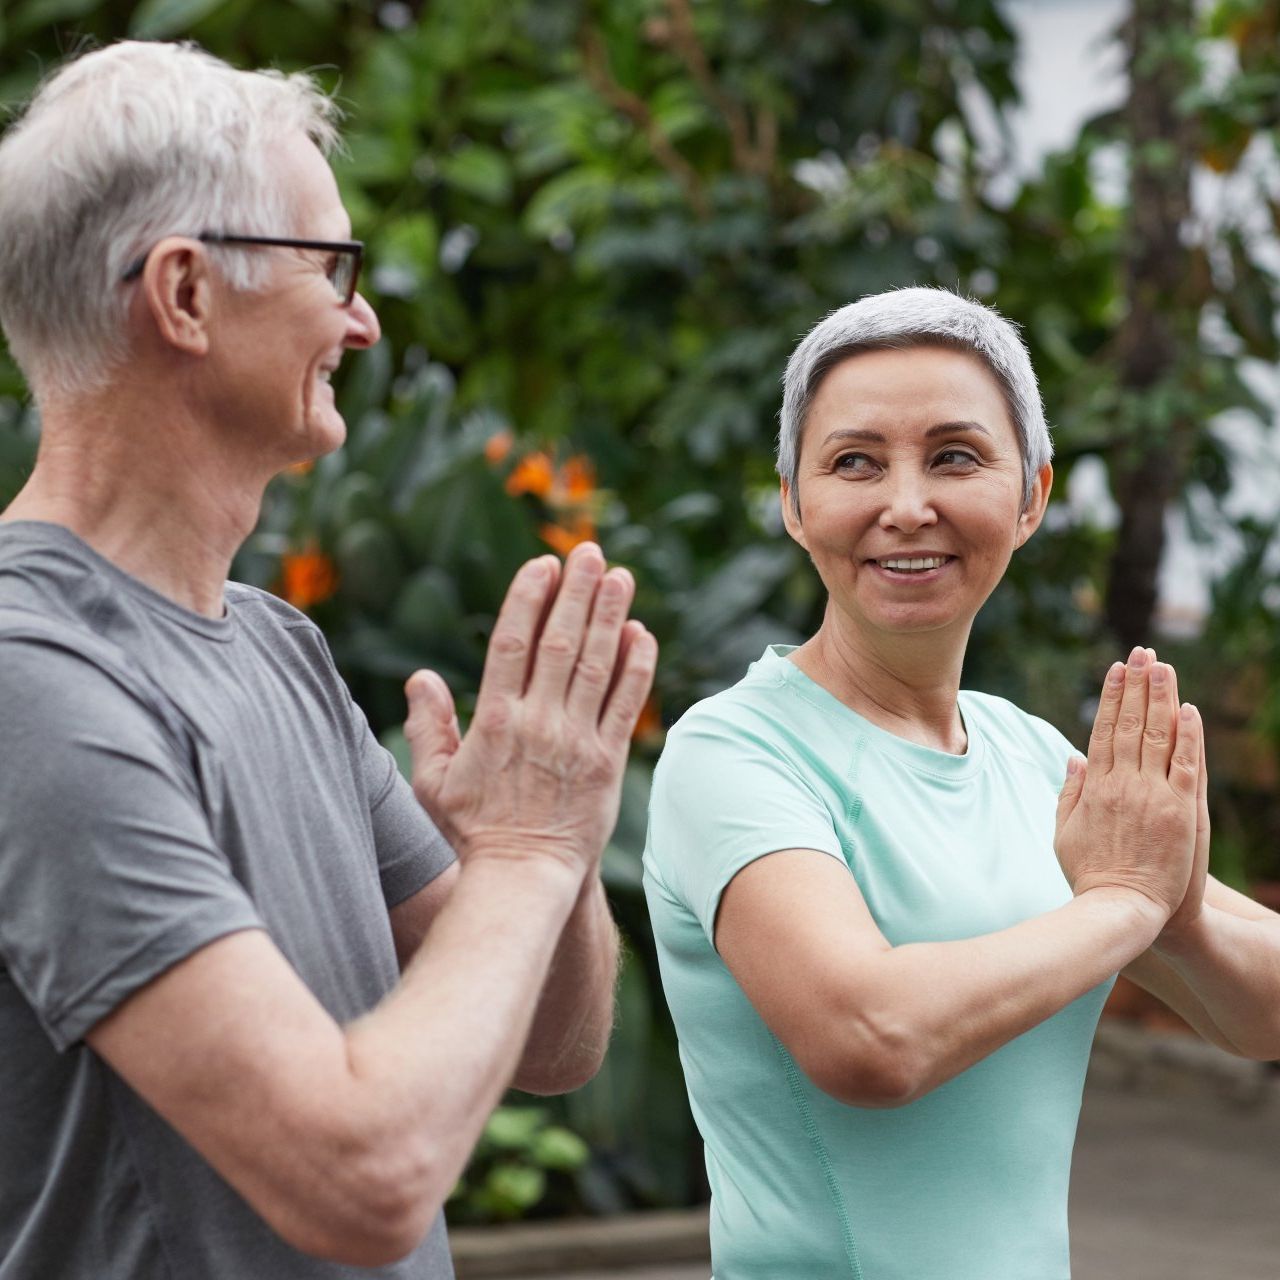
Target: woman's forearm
{"type": "Point", "coordinates": [1232, 965]}
{"type": "Point", "coordinates": [921, 1013]}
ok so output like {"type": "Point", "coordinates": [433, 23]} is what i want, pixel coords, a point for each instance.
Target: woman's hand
{"type": "Point", "coordinates": [1131, 820]}
{"type": "Point", "coordinates": [539, 772]}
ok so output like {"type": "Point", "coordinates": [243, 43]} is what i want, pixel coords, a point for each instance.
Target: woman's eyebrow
{"type": "Point", "coordinates": [855, 433]}
{"type": "Point", "coordinates": [950, 428]}
{"type": "Point", "coordinates": [875, 437]}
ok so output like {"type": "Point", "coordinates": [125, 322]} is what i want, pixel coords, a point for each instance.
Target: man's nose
{"type": "Point", "coordinates": [363, 329]}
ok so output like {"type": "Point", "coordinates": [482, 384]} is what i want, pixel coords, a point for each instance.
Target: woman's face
{"type": "Point", "coordinates": [910, 488]}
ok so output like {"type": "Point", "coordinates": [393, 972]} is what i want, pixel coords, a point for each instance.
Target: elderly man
{"type": "Point", "coordinates": [211, 1063]}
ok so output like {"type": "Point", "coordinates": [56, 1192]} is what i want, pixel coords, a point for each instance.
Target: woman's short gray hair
{"type": "Point", "coordinates": [904, 318]}
{"type": "Point", "coordinates": [118, 149]}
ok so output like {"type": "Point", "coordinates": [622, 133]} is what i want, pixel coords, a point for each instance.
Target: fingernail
{"type": "Point", "coordinates": [1158, 673]}
{"type": "Point", "coordinates": [1073, 766]}
{"type": "Point", "coordinates": [1116, 674]}
{"type": "Point", "coordinates": [1138, 659]}
{"type": "Point", "coordinates": [1188, 711]}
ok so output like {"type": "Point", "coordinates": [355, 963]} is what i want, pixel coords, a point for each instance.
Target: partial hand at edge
{"type": "Point", "coordinates": [1129, 819]}
{"type": "Point", "coordinates": [539, 771]}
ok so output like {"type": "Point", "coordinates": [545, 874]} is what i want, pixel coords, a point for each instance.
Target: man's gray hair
{"type": "Point", "coordinates": [118, 149]}
{"type": "Point", "coordinates": [904, 318]}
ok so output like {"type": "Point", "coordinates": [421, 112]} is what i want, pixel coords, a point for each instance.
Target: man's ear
{"type": "Point", "coordinates": [790, 517]}
{"type": "Point", "coordinates": [178, 290]}
{"type": "Point", "coordinates": [1037, 504]}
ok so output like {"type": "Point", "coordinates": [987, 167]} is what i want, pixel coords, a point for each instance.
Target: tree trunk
{"type": "Point", "coordinates": [1150, 459]}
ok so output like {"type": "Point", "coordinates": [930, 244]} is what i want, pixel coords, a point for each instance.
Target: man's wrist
{"type": "Point", "coordinates": [557, 868]}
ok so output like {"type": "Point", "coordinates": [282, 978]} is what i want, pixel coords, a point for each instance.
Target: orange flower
{"type": "Point", "coordinates": [307, 577]}
{"type": "Point", "coordinates": [532, 474]}
{"type": "Point", "coordinates": [562, 540]}
{"type": "Point", "coordinates": [497, 446]}
{"type": "Point", "coordinates": [300, 468]}
{"type": "Point", "coordinates": [578, 476]}
{"type": "Point", "coordinates": [649, 725]}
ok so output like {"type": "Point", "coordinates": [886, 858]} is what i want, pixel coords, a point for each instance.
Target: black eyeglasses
{"type": "Point", "coordinates": [342, 271]}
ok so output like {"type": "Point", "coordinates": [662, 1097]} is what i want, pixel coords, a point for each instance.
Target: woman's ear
{"type": "Point", "coordinates": [1037, 504]}
{"type": "Point", "coordinates": [791, 514]}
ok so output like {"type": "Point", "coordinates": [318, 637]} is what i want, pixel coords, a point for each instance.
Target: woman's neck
{"type": "Point", "coordinates": [905, 684]}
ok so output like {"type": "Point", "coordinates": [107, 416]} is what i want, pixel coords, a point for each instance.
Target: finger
{"type": "Point", "coordinates": [431, 730]}
{"type": "Point", "coordinates": [631, 691]}
{"type": "Point", "coordinates": [1184, 767]}
{"type": "Point", "coordinates": [556, 569]}
{"type": "Point", "coordinates": [1132, 720]}
{"type": "Point", "coordinates": [1202, 801]}
{"type": "Point", "coordinates": [602, 649]}
{"type": "Point", "coordinates": [515, 633]}
{"type": "Point", "coordinates": [564, 633]}
{"type": "Point", "coordinates": [1069, 796]}
{"type": "Point", "coordinates": [1162, 720]}
{"type": "Point", "coordinates": [1102, 738]}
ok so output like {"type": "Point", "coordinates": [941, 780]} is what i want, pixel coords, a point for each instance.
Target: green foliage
{"type": "Point", "coordinates": [520, 1159]}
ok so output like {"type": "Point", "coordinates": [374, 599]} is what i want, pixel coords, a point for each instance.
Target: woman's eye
{"type": "Point", "coordinates": [853, 462]}
{"type": "Point", "coordinates": [956, 458]}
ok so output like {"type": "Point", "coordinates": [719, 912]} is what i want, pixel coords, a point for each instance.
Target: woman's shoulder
{"type": "Point", "coordinates": [756, 707]}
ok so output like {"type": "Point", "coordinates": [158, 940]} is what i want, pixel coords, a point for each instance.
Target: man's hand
{"type": "Point", "coordinates": [539, 772]}
{"type": "Point", "coordinates": [1130, 820]}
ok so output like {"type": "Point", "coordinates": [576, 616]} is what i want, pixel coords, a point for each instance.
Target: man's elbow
{"type": "Point", "coordinates": [562, 1075]}
{"type": "Point", "coordinates": [376, 1208]}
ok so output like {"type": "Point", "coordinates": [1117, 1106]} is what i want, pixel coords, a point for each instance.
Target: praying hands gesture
{"type": "Point", "coordinates": [538, 773]}
{"type": "Point", "coordinates": [1134, 817]}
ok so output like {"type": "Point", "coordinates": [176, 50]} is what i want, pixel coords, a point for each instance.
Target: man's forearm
{"type": "Point", "coordinates": [571, 1026]}
{"type": "Point", "coordinates": [1232, 965]}
{"type": "Point", "coordinates": [430, 1063]}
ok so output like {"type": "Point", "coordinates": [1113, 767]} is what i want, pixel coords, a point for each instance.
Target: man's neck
{"type": "Point", "coordinates": [164, 504]}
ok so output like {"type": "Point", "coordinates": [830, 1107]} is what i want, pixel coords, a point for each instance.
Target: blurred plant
{"type": "Point", "coordinates": [521, 1163]}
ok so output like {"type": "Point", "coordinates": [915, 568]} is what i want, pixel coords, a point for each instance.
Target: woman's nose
{"type": "Point", "coordinates": [908, 504]}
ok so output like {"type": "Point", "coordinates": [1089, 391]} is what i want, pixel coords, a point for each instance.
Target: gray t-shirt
{"type": "Point", "coordinates": [167, 779]}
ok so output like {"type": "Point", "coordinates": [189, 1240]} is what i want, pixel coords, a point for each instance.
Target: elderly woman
{"type": "Point", "coordinates": [884, 979]}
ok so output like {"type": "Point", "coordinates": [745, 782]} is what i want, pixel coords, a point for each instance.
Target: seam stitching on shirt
{"type": "Point", "coordinates": [796, 1087]}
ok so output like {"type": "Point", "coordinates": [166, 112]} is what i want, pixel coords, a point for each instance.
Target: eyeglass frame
{"type": "Point", "coordinates": [352, 248]}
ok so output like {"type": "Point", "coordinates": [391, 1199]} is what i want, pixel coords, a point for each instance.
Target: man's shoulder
{"type": "Point", "coordinates": [259, 607]}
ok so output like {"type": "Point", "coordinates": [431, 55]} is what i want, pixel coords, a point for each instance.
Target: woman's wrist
{"type": "Point", "coordinates": [1143, 916]}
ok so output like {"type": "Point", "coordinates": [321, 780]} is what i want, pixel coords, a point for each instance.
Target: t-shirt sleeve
{"type": "Point", "coordinates": [723, 797]}
{"type": "Point", "coordinates": [109, 874]}
{"type": "Point", "coordinates": [411, 851]}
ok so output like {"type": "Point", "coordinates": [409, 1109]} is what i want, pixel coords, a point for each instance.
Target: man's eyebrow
{"type": "Point", "coordinates": [875, 437]}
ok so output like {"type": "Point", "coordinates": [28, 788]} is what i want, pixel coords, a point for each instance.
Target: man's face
{"type": "Point", "coordinates": [278, 346]}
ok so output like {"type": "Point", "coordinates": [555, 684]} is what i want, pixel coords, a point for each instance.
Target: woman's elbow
{"type": "Point", "coordinates": [877, 1071]}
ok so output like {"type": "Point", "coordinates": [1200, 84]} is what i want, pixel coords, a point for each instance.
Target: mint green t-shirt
{"type": "Point", "coordinates": [966, 1183]}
